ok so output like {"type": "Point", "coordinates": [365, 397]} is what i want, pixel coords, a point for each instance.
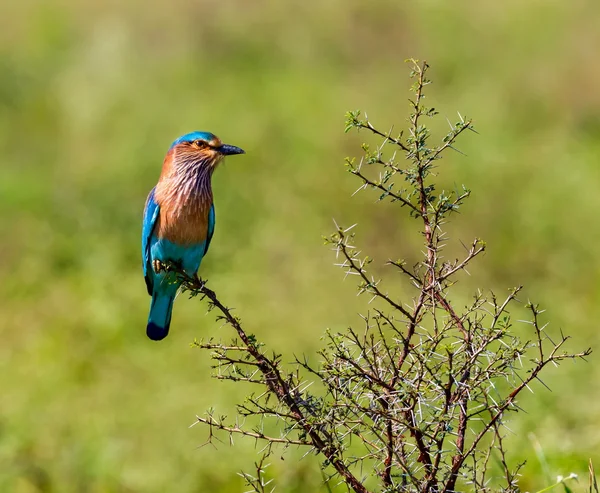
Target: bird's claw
{"type": "Point", "coordinates": [158, 266]}
{"type": "Point", "coordinates": [167, 266]}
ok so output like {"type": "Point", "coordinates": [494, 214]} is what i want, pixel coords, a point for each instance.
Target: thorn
{"type": "Point", "coordinates": [457, 150]}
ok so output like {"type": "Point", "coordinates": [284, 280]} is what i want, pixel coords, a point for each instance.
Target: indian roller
{"type": "Point", "coordinates": [179, 221]}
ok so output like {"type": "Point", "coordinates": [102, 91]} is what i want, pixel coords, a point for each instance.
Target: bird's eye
{"type": "Point", "coordinates": [199, 143]}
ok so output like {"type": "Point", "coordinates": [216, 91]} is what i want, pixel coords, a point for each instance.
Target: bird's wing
{"type": "Point", "coordinates": [151, 212]}
{"type": "Point", "coordinates": [211, 227]}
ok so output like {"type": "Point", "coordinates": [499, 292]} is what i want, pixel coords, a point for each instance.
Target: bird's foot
{"type": "Point", "coordinates": [158, 266]}
{"type": "Point", "coordinates": [167, 266]}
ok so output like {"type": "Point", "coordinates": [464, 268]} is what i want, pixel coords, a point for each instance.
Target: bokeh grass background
{"type": "Point", "coordinates": [92, 94]}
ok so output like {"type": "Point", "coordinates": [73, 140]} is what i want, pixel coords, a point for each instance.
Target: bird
{"type": "Point", "coordinates": [179, 221]}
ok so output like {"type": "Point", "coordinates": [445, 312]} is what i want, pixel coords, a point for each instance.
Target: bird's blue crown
{"type": "Point", "coordinates": [190, 137]}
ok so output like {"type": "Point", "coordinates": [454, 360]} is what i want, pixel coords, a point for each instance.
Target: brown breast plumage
{"type": "Point", "coordinates": [183, 218]}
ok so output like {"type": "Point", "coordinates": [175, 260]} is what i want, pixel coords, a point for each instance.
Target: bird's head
{"type": "Point", "coordinates": [201, 150]}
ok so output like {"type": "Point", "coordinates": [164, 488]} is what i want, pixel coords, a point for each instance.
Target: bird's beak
{"type": "Point", "coordinates": [227, 150]}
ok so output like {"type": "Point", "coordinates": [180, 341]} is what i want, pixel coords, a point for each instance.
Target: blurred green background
{"type": "Point", "coordinates": [92, 94]}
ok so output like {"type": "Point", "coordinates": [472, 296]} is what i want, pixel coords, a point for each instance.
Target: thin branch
{"type": "Point", "coordinates": [240, 431]}
{"type": "Point", "coordinates": [276, 383]}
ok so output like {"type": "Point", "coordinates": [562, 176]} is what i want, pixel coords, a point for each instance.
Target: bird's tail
{"type": "Point", "coordinates": [159, 319]}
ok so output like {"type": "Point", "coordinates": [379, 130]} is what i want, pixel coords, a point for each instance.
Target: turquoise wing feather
{"type": "Point", "coordinates": [211, 227]}
{"type": "Point", "coordinates": [151, 212]}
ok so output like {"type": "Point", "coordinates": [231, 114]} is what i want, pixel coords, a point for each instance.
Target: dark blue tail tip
{"type": "Point", "coordinates": [155, 332]}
